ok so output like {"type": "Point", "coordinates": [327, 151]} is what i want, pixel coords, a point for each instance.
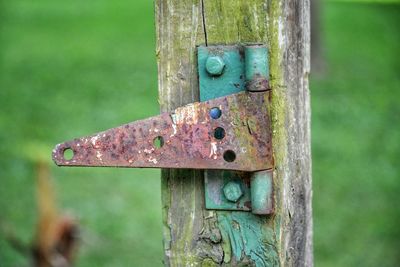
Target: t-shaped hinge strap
{"type": "Point", "coordinates": [227, 133]}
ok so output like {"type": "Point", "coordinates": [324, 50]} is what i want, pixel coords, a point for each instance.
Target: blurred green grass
{"type": "Point", "coordinates": [69, 69]}
{"type": "Point", "coordinates": [355, 138]}
{"type": "Point", "coordinates": [72, 68]}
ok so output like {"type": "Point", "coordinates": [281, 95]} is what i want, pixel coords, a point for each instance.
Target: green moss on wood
{"type": "Point", "coordinates": [232, 22]}
{"type": "Point", "coordinates": [278, 109]}
{"type": "Point", "coordinates": [209, 263]}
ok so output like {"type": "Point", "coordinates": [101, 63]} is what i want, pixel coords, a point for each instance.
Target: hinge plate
{"type": "Point", "coordinates": [234, 70]}
{"type": "Point", "coordinates": [188, 138]}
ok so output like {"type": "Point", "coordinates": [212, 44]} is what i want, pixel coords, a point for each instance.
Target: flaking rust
{"type": "Point", "coordinates": [186, 139]}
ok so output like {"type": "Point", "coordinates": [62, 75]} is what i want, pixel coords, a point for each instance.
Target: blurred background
{"type": "Point", "coordinates": [72, 68]}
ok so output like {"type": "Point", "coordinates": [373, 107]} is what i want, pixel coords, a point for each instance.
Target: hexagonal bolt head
{"type": "Point", "coordinates": [215, 65]}
{"type": "Point", "coordinates": [233, 191]}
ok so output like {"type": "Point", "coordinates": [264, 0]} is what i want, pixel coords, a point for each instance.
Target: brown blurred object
{"type": "Point", "coordinates": [56, 235]}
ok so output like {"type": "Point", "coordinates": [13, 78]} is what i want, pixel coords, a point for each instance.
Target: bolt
{"type": "Point", "coordinates": [215, 113]}
{"type": "Point", "coordinates": [215, 65]}
{"type": "Point", "coordinates": [233, 191]}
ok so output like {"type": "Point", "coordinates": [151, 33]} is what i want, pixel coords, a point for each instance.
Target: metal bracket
{"type": "Point", "coordinates": [229, 130]}
{"type": "Point", "coordinates": [225, 70]}
{"type": "Point", "coordinates": [187, 138]}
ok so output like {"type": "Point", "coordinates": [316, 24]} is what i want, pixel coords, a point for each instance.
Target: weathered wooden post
{"type": "Point", "coordinates": [194, 236]}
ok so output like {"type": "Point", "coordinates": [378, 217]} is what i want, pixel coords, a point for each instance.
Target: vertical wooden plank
{"type": "Point", "coordinates": [294, 59]}
{"type": "Point", "coordinates": [192, 235]}
{"type": "Point", "coordinates": [179, 29]}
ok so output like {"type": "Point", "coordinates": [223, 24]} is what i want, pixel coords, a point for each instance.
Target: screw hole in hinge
{"type": "Point", "coordinates": [229, 156]}
{"type": "Point", "coordinates": [215, 113]}
{"type": "Point", "coordinates": [68, 153]}
{"type": "Point", "coordinates": [219, 133]}
{"type": "Point", "coordinates": [158, 142]}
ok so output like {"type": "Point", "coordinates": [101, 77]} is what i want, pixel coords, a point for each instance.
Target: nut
{"type": "Point", "coordinates": [233, 191]}
{"type": "Point", "coordinates": [215, 65]}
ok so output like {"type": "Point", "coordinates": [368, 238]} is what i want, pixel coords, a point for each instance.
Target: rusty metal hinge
{"type": "Point", "coordinates": [229, 132]}
{"type": "Point", "coordinates": [189, 137]}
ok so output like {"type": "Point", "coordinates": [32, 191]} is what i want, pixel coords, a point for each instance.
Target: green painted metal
{"type": "Point", "coordinates": [233, 191]}
{"type": "Point", "coordinates": [256, 58]}
{"type": "Point", "coordinates": [261, 192]}
{"type": "Point", "coordinates": [257, 77]}
{"type": "Point", "coordinates": [225, 70]}
{"type": "Point", "coordinates": [212, 86]}
{"type": "Point", "coordinates": [256, 68]}
{"type": "Point", "coordinates": [232, 81]}
{"type": "Point", "coordinates": [215, 181]}
{"type": "Point", "coordinates": [215, 65]}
